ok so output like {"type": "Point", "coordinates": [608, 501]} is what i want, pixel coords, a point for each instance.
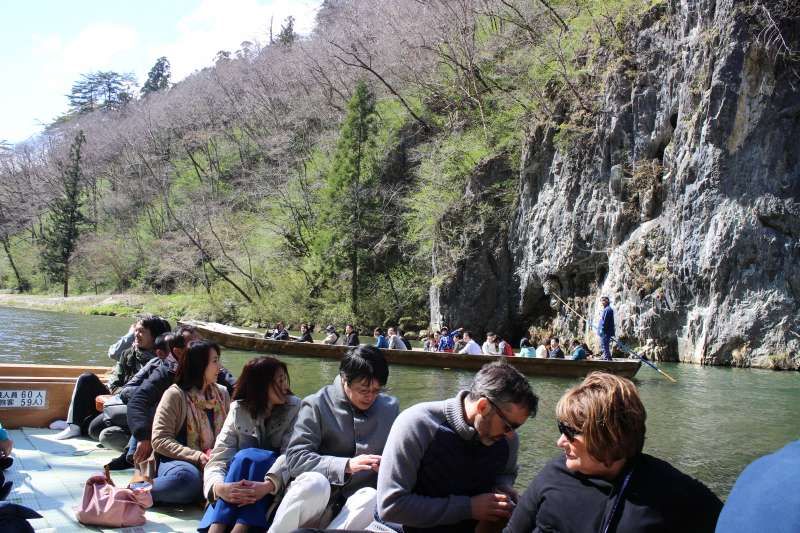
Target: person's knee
{"type": "Point", "coordinates": [311, 487]}
{"type": "Point", "coordinates": [363, 497]}
{"type": "Point", "coordinates": [114, 438]}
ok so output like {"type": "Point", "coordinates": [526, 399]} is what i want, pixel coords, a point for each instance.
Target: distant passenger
{"type": "Point", "coordinates": [505, 347]}
{"type": "Point", "coordinates": [350, 336]}
{"type": "Point", "coordinates": [526, 348]}
{"type": "Point", "coordinates": [766, 497]}
{"type": "Point", "coordinates": [472, 347]}
{"type": "Point", "coordinates": [279, 334]}
{"type": "Point", "coordinates": [430, 343]}
{"type": "Point", "coordinates": [541, 351]}
{"type": "Point", "coordinates": [603, 481]}
{"type": "Point", "coordinates": [331, 336]}
{"type": "Point", "coordinates": [380, 339]}
{"type": "Point", "coordinates": [605, 327]}
{"type": "Point", "coordinates": [395, 342]}
{"type": "Point", "coordinates": [578, 351]}
{"type": "Point", "coordinates": [446, 342]}
{"type": "Point", "coordinates": [555, 351]}
{"type": "Point", "coordinates": [305, 334]}
{"type": "Point", "coordinates": [186, 424]}
{"type": "Point", "coordinates": [335, 451]}
{"type": "Point", "coordinates": [459, 342]}
{"type": "Point", "coordinates": [402, 335]}
{"type": "Point", "coordinates": [451, 465]}
{"type": "Point", "coordinates": [490, 346]}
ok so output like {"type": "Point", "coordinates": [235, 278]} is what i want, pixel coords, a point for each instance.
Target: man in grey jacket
{"type": "Point", "coordinates": [450, 465]}
{"type": "Point", "coordinates": [334, 454]}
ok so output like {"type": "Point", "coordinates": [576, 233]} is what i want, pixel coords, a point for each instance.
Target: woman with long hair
{"type": "Point", "coordinates": [188, 419]}
{"type": "Point", "coordinates": [247, 469]}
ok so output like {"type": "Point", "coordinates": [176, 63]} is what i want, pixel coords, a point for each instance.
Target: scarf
{"type": "Point", "coordinates": [199, 433]}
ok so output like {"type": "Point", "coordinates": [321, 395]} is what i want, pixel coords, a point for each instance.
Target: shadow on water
{"type": "Point", "coordinates": [710, 425]}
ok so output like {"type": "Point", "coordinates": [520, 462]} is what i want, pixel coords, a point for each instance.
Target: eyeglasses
{"type": "Point", "coordinates": [568, 431]}
{"type": "Point", "coordinates": [509, 426]}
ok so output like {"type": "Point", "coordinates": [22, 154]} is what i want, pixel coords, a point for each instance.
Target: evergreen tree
{"type": "Point", "coordinates": [158, 77]}
{"type": "Point", "coordinates": [350, 218]}
{"type": "Point", "coordinates": [66, 220]}
{"type": "Point", "coordinates": [105, 90]}
{"type": "Point", "coordinates": [287, 35]}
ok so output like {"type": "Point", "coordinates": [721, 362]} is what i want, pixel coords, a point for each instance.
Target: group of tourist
{"type": "Point", "coordinates": [346, 458]}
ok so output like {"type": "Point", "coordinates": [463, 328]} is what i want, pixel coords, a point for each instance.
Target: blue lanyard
{"type": "Point", "coordinates": [613, 513]}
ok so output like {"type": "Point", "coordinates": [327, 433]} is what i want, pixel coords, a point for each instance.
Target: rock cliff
{"type": "Point", "coordinates": [679, 199]}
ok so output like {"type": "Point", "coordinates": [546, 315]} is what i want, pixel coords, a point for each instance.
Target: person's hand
{"type": "Point", "coordinates": [256, 490]}
{"type": "Point", "coordinates": [491, 507]}
{"type": "Point", "coordinates": [203, 460]}
{"type": "Point", "coordinates": [508, 491]}
{"type": "Point", "coordinates": [234, 493]}
{"type": "Point", "coordinates": [362, 463]}
{"type": "Point", "coordinates": [5, 447]}
{"type": "Point", "coordinates": [143, 451]}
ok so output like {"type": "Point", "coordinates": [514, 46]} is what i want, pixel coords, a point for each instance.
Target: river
{"type": "Point", "coordinates": [710, 425]}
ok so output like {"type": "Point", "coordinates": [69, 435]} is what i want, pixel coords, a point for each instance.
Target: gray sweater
{"type": "Point", "coordinates": [409, 447]}
{"type": "Point", "coordinates": [330, 430]}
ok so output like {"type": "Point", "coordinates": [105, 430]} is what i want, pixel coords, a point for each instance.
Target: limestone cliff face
{"type": "Point", "coordinates": [680, 200]}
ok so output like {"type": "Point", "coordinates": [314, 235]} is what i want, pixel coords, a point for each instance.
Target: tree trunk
{"type": "Point", "coordinates": [22, 285]}
{"type": "Point", "coordinates": [354, 286]}
{"type": "Point", "coordinates": [66, 279]}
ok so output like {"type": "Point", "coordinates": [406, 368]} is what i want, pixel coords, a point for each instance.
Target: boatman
{"type": "Point", "coordinates": [605, 328]}
{"type": "Point", "coordinates": [450, 465]}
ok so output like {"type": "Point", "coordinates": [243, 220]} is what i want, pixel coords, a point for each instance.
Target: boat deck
{"type": "Point", "coordinates": [49, 476]}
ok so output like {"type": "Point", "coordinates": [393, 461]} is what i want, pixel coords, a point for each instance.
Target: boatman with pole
{"type": "Point", "coordinates": [605, 327]}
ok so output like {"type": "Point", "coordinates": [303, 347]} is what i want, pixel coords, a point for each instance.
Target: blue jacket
{"type": "Point", "coordinates": [446, 342]}
{"type": "Point", "coordinates": [606, 325]}
{"type": "Point", "coordinates": [381, 342]}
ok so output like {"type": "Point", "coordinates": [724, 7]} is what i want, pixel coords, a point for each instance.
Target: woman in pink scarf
{"type": "Point", "coordinates": [187, 421]}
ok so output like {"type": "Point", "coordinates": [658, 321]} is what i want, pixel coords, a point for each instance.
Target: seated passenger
{"type": "Point", "coordinates": [380, 340]}
{"type": "Point", "coordinates": [186, 424]}
{"type": "Point", "coordinates": [331, 336]}
{"type": "Point", "coordinates": [278, 334]}
{"type": "Point", "coordinates": [247, 468]}
{"type": "Point", "coordinates": [450, 465]}
{"type": "Point", "coordinates": [458, 342]}
{"type": "Point", "coordinates": [82, 407]}
{"type": "Point", "coordinates": [6, 445]}
{"type": "Point", "coordinates": [305, 334]}
{"type": "Point", "coordinates": [335, 451]}
{"type": "Point", "coordinates": [490, 347]}
{"type": "Point", "coordinates": [526, 347]}
{"type": "Point", "coordinates": [395, 342]}
{"type": "Point", "coordinates": [472, 347]}
{"type": "Point", "coordinates": [504, 347]}
{"type": "Point", "coordinates": [555, 351]}
{"type": "Point", "coordinates": [578, 351]}
{"type": "Point", "coordinates": [350, 336]}
{"type": "Point", "coordinates": [603, 481]}
{"type": "Point", "coordinates": [446, 341]}
{"type": "Point", "coordinates": [541, 351]}
{"type": "Point", "coordinates": [430, 343]}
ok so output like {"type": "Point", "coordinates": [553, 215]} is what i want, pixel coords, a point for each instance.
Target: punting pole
{"type": "Point", "coordinates": [622, 346]}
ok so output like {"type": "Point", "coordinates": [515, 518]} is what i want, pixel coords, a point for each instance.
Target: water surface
{"type": "Point", "coordinates": [710, 425]}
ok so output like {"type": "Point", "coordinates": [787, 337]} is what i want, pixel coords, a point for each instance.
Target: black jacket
{"type": "Point", "coordinates": [658, 498]}
{"type": "Point", "coordinates": [144, 400]}
{"type": "Point", "coordinates": [351, 340]}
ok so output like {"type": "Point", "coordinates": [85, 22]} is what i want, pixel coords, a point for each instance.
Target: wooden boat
{"type": "Point", "coordinates": [35, 395]}
{"type": "Point", "coordinates": [248, 340]}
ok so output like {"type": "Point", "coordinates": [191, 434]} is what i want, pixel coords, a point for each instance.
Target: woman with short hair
{"type": "Point", "coordinates": [604, 482]}
{"type": "Point", "coordinates": [187, 421]}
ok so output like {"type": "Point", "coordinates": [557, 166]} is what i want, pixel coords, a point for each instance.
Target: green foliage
{"type": "Point", "coordinates": [106, 90]}
{"type": "Point", "coordinates": [287, 36]}
{"type": "Point", "coordinates": [158, 77]}
{"type": "Point", "coordinates": [61, 238]}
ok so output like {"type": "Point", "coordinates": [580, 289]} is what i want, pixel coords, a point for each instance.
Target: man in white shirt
{"type": "Point", "coordinates": [472, 347]}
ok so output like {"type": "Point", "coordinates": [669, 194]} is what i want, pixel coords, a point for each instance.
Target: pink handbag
{"type": "Point", "coordinates": [106, 505]}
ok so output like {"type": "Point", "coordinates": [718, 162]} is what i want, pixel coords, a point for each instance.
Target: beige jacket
{"type": "Point", "coordinates": [242, 431]}
{"type": "Point", "coordinates": [169, 422]}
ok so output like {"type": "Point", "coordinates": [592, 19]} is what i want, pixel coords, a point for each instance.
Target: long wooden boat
{"type": "Point", "coordinates": [36, 395]}
{"type": "Point", "coordinates": [248, 340]}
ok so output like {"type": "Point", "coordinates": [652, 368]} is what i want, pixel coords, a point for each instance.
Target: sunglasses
{"type": "Point", "coordinates": [509, 426]}
{"type": "Point", "coordinates": [568, 431]}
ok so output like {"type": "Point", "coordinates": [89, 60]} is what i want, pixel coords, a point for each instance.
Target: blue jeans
{"type": "Point", "coordinates": [177, 482]}
{"type": "Point", "coordinates": [605, 341]}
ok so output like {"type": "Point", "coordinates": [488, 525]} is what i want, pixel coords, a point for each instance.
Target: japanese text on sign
{"type": "Point", "coordinates": [22, 398]}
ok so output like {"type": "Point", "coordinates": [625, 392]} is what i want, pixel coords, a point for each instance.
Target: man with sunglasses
{"type": "Point", "coordinates": [450, 465]}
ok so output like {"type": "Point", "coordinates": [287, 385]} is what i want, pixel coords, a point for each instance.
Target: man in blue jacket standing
{"type": "Point", "coordinates": [605, 328]}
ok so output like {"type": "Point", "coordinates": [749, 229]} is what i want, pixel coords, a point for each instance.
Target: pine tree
{"type": "Point", "coordinates": [106, 90]}
{"type": "Point", "coordinates": [287, 35]}
{"type": "Point", "coordinates": [66, 219]}
{"type": "Point", "coordinates": [350, 197]}
{"type": "Point", "coordinates": [158, 77]}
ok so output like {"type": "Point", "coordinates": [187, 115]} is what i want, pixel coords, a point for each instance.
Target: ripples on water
{"type": "Point", "coordinates": [710, 425]}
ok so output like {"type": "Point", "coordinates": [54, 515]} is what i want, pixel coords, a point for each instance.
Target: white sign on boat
{"type": "Point", "coordinates": [23, 398]}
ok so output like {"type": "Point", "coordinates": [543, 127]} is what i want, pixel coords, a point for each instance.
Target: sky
{"type": "Point", "coordinates": [45, 45]}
